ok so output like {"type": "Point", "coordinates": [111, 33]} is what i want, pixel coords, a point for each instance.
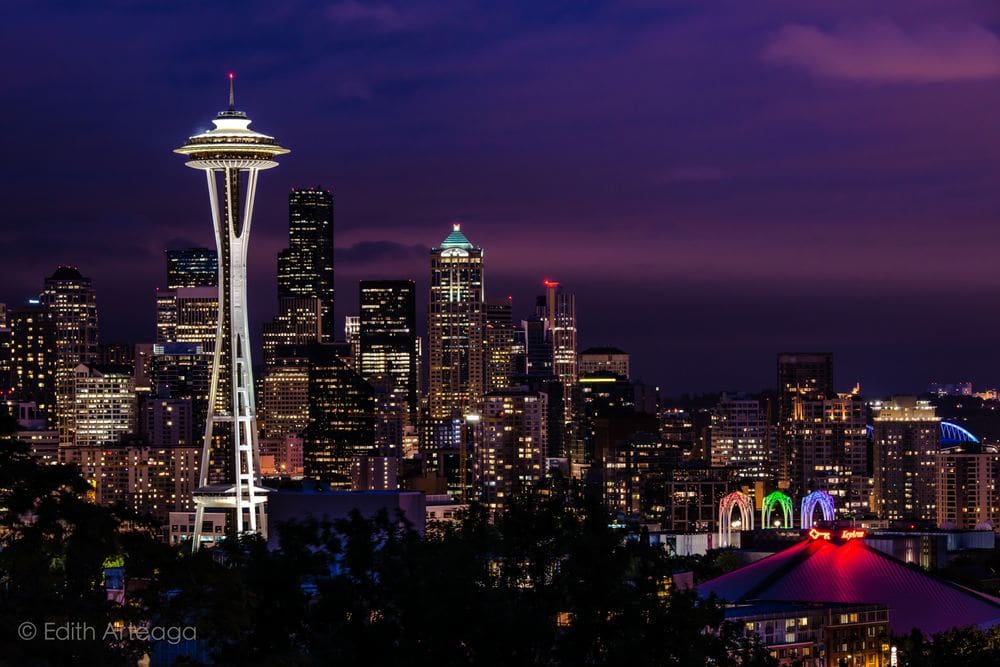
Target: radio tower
{"type": "Point", "coordinates": [234, 154]}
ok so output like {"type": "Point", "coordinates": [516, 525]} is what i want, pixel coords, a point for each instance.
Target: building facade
{"type": "Point", "coordinates": [904, 459]}
{"type": "Point", "coordinates": [305, 267]}
{"type": "Point", "coordinates": [456, 328]}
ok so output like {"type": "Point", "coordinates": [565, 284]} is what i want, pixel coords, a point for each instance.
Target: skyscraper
{"type": "Point", "coordinates": [34, 357]}
{"type": "Point", "coordinates": [740, 437]}
{"type": "Point", "coordinates": [298, 323]}
{"type": "Point", "coordinates": [510, 459]}
{"type": "Point", "coordinates": [805, 375]}
{"type": "Point", "coordinates": [237, 154]}
{"type": "Point", "coordinates": [499, 341]}
{"type": "Point", "coordinates": [560, 313]}
{"type": "Point", "coordinates": [192, 267]}
{"type": "Point", "coordinates": [828, 445]}
{"type": "Point", "coordinates": [341, 416]}
{"type": "Point", "coordinates": [305, 267]}
{"type": "Point", "coordinates": [71, 301]}
{"type": "Point", "coordinates": [456, 328]}
{"type": "Point", "coordinates": [905, 447]}
{"type": "Point", "coordinates": [387, 353]}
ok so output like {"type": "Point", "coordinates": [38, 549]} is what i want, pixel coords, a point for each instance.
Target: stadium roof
{"type": "Point", "coordinates": [852, 572]}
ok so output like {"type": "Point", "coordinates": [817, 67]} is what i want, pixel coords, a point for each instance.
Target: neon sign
{"type": "Point", "coordinates": [846, 534]}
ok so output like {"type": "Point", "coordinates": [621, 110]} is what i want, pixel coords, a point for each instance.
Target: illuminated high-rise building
{"type": "Point", "coordinates": [828, 444]}
{"type": "Point", "coordinates": [456, 328]}
{"type": "Point", "coordinates": [510, 459]}
{"type": "Point", "coordinates": [387, 357]}
{"type": "Point", "coordinates": [297, 323]}
{"type": "Point", "coordinates": [305, 267]}
{"type": "Point", "coordinates": [559, 310]}
{"type": "Point", "coordinates": [906, 440]}
{"type": "Point", "coordinates": [341, 416]}
{"type": "Point", "coordinates": [968, 486]}
{"type": "Point", "coordinates": [807, 375]}
{"type": "Point", "coordinates": [71, 301]}
{"type": "Point", "coordinates": [232, 156]}
{"type": "Point", "coordinates": [352, 334]}
{"type": "Point", "coordinates": [102, 405]}
{"type": "Point", "coordinates": [284, 401]}
{"type": "Point", "coordinates": [188, 315]}
{"type": "Point", "coordinates": [34, 357]}
{"type": "Point", "coordinates": [499, 341]}
{"type": "Point", "coordinates": [387, 338]}
{"type": "Point", "coordinates": [740, 437]}
{"type": "Point", "coordinates": [192, 267]}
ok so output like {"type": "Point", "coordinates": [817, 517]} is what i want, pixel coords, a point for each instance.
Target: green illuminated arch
{"type": "Point", "coordinates": [772, 499]}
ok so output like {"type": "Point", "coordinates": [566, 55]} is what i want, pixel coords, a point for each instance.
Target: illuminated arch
{"type": "Point", "coordinates": [726, 505]}
{"type": "Point", "coordinates": [953, 434]}
{"type": "Point", "coordinates": [825, 502]}
{"type": "Point", "coordinates": [773, 498]}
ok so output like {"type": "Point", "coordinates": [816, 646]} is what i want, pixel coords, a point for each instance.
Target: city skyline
{"type": "Point", "coordinates": [858, 195]}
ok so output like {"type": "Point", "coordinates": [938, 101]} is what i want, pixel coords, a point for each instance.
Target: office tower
{"type": "Point", "coordinates": [182, 370]}
{"type": "Point", "coordinates": [510, 459]}
{"type": "Point", "coordinates": [740, 437]}
{"type": "Point", "coordinates": [188, 315]}
{"type": "Point", "coordinates": [537, 348]}
{"type": "Point", "coordinates": [629, 463]}
{"type": "Point", "coordinates": [828, 445]}
{"type": "Point", "coordinates": [805, 375]}
{"type": "Point", "coordinates": [71, 302]}
{"type": "Point", "coordinates": [284, 402]}
{"type": "Point", "coordinates": [297, 323]}
{"type": "Point", "coordinates": [499, 340]}
{"type": "Point", "coordinates": [237, 154]}
{"type": "Point", "coordinates": [281, 456]}
{"type": "Point", "coordinates": [387, 337]}
{"type": "Point", "coordinates": [904, 459]}
{"type": "Point", "coordinates": [456, 327]}
{"type": "Point", "coordinates": [604, 359]}
{"type": "Point", "coordinates": [305, 267]}
{"type": "Point", "coordinates": [34, 357]}
{"type": "Point", "coordinates": [968, 486]}
{"type": "Point", "coordinates": [102, 406]}
{"type": "Point", "coordinates": [387, 356]}
{"type": "Point", "coordinates": [341, 416]}
{"type": "Point", "coordinates": [559, 311]}
{"type": "Point", "coordinates": [375, 473]}
{"type": "Point", "coordinates": [192, 267]}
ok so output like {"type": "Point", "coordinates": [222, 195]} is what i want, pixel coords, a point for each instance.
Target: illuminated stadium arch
{"type": "Point", "coordinates": [772, 499]}
{"type": "Point", "coordinates": [726, 505]}
{"type": "Point", "coordinates": [953, 434]}
{"type": "Point", "coordinates": [825, 502]}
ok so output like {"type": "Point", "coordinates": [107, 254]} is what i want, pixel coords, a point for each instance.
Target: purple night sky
{"type": "Point", "coordinates": [717, 181]}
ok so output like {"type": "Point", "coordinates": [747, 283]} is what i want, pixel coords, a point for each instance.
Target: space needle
{"type": "Point", "coordinates": [231, 155]}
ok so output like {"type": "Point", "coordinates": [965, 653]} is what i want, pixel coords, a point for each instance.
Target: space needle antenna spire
{"type": "Point", "coordinates": [232, 93]}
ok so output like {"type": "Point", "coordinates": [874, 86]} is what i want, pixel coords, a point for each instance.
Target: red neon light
{"type": "Point", "coordinates": [232, 75]}
{"type": "Point", "coordinates": [817, 534]}
{"type": "Point", "coordinates": [550, 283]}
{"type": "Point", "coordinates": [853, 533]}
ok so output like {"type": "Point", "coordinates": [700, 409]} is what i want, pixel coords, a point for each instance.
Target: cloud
{"type": "Point", "coordinates": [881, 51]}
{"type": "Point", "coordinates": [374, 252]}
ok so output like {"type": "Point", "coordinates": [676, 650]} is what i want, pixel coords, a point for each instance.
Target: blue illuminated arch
{"type": "Point", "coordinates": [953, 434]}
{"type": "Point", "coordinates": [825, 502]}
